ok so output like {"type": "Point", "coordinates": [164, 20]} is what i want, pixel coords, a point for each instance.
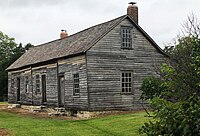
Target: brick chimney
{"type": "Point", "coordinates": [132, 11]}
{"type": "Point", "coordinates": [63, 34]}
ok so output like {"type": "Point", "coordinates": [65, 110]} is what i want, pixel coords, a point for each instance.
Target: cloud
{"type": "Point", "coordinates": [39, 21]}
{"type": "Point", "coordinates": [29, 3]}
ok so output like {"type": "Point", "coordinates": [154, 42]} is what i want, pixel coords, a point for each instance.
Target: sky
{"type": "Point", "coordinates": [41, 21]}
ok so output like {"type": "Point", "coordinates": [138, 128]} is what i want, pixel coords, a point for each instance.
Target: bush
{"type": "Point", "coordinates": [177, 105]}
{"type": "Point", "coordinates": [174, 119]}
{"type": "Point", "coordinates": [151, 87]}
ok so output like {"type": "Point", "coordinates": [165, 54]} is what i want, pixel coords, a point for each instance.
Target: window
{"type": "Point", "coordinates": [26, 84]}
{"type": "Point", "coordinates": [126, 82]}
{"type": "Point", "coordinates": [37, 78]}
{"type": "Point", "coordinates": [76, 84]}
{"type": "Point", "coordinates": [12, 84]}
{"type": "Point", "coordinates": [126, 37]}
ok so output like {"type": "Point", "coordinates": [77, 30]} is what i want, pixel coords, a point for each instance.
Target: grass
{"type": "Point", "coordinates": [3, 103]}
{"type": "Point", "coordinates": [118, 125]}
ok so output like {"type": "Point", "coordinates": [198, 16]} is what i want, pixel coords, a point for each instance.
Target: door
{"type": "Point", "coordinates": [44, 97]}
{"type": "Point", "coordinates": [61, 91]}
{"type": "Point", "coordinates": [18, 89]}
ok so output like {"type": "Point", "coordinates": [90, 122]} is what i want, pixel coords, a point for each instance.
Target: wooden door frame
{"type": "Point", "coordinates": [60, 104]}
{"type": "Point", "coordinates": [44, 91]}
{"type": "Point", "coordinates": [18, 89]}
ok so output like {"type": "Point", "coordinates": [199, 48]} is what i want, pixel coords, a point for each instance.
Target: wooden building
{"type": "Point", "coordinates": [99, 68]}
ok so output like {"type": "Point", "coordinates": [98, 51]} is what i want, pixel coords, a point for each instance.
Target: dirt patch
{"type": "Point", "coordinates": [3, 106]}
{"type": "Point", "coordinates": [4, 132]}
{"type": "Point", "coordinates": [26, 112]}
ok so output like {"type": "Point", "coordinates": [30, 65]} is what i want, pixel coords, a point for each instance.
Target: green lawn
{"type": "Point", "coordinates": [118, 125]}
{"type": "Point", "coordinates": [3, 103]}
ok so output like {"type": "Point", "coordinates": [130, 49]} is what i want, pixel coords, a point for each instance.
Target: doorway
{"type": "Point", "coordinates": [18, 89]}
{"type": "Point", "coordinates": [44, 97]}
{"type": "Point", "coordinates": [61, 90]}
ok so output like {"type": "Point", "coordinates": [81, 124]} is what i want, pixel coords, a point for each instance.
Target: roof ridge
{"type": "Point", "coordinates": [79, 32]}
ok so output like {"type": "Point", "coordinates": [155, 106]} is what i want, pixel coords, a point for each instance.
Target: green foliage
{"type": "Point", "coordinates": [176, 110]}
{"type": "Point", "coordinates": [174, 119]}
{"type": "Point", "coordinates": [176, 113]}
{"type": "Point", "coordinates": [6, 51]}
{"type": "Point", "coordinates": [180, 78]}
{"type": "Point", "coordinates": [9, 52]}
{"type": "Point", "coordinates": [196, 58]}
{"type": "Point", "coordinates": [168, 49]}
{"type": "Point", "coordinates": [151, 87]}
{"type": "Point", "coordinates": [184, 77]}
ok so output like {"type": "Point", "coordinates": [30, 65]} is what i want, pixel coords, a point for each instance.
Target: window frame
{"type": "Point", "coordinates": [12, 84]}
{"type": "Point", "coordinates": [26, 84]}
{"type": "Point", "coordinates": [76, 82]}
{"type": "Point", "coordinates": [124, 85]}
{"type": "Point", "coordinates": [126, 39]}
{"type": "Point", "coordinates": [37, 84]}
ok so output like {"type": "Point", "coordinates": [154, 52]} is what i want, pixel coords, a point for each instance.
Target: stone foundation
{"type": "Point", "coordinates": [63, 112]}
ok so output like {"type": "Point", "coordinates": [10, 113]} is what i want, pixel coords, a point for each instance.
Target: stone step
{"type": "Point", "coordinates": [37, 108]}
{"type": "Point", "coordinates": [58, 111]}
{"type": "Point", "coordinates": [11, 106]}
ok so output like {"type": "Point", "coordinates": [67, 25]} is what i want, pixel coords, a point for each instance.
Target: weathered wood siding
{"type": "Point", "coordinates": [12, 89]}
{"type": "Point", "coordinates": [25, 97]}
{"type": "Point", "coordinates": [106, 60]}
{"type": "Point", "coordinates": [37, 95]}
{"type": "Point", "coordinates": [67, 67]}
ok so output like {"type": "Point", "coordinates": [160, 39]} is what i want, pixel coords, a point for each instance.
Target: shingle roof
{"type": "Point", "coordinates": [75, 44]}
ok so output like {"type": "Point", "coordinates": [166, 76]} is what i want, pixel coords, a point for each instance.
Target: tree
{"type": "Point", "coordinates": [152, 87]}
{"type": "Point", "coordinates": [176, 109]}
{"type": "Point", "coordinates": [7, 46]}
{"type": "Point", "coordinates": [9, 52]}
{"type": "Point", "coordinates": [180, 78]}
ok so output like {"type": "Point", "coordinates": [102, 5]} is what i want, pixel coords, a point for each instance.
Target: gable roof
{"type": "Point", "coordinates": [72, 45]}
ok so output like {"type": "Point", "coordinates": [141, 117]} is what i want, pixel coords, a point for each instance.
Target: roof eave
{"type": "Point", "coordinates": [54, 60]}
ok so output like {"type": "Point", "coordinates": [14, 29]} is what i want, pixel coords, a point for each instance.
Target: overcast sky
{"type": "Point", "coordinates": [40, 21]}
